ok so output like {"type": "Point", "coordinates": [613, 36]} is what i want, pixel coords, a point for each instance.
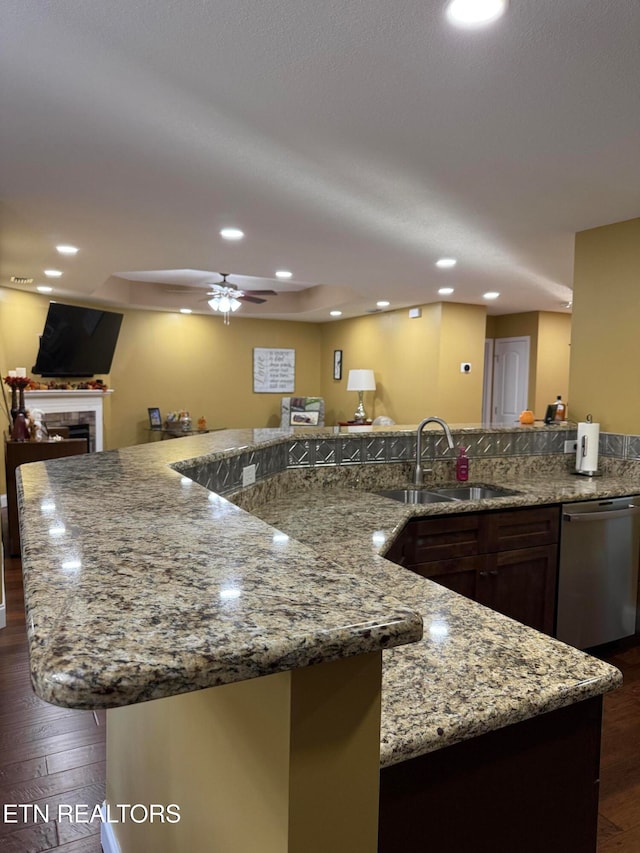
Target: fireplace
{"type": "Point", "coordinates": [80, 411]}
{"type": "Point", "coordinates": [77, 424]}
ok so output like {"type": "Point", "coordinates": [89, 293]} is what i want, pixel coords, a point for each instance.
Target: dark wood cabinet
{"type": "Point", "coordinates": [529, 787]}
{"type": "Point", "coordinates": [18, 453]}
{"type": "Point", "coordinates": [522, 584]}
{"type": "Point", "coordinates": [506, 560]}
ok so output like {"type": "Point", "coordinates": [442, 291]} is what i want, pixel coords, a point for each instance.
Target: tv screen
{"type": "Point", "coordinates": [77, 341]}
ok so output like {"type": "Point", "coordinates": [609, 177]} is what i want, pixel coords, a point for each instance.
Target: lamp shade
{"type": "Point", "coordinates": [361, 380]}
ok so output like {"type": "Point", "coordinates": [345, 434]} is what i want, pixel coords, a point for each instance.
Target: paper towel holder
{"type": "Point", "coordinates": [582, 452]}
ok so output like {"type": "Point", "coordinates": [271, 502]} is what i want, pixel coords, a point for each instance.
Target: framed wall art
{"type": "Point", "coordinates": [337, 364]}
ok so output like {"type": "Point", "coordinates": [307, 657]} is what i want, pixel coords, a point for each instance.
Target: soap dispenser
{"type": "Point", "coordinates": [462, 466]}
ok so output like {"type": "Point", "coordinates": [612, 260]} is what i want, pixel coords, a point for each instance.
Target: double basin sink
{"type": "Point", "coordinates": [419, 495]}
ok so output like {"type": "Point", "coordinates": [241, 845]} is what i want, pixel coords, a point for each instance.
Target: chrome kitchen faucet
{"type": "Point", "coordinates": [418, 474]}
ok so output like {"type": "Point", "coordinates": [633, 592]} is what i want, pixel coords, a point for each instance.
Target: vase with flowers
{"type": "Point", "coordinates": [19, 428]}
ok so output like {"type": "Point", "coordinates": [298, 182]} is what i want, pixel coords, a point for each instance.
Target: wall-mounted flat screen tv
{"type": "Point", "coordinates": [77, 341]}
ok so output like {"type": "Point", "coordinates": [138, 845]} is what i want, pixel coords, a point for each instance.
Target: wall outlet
{"type": "Point", "coordinates": [465, 367]}
{"type": "Point", "coordinates": [570, 446]}
{"type": "Point", "coordinates": [248, 475]}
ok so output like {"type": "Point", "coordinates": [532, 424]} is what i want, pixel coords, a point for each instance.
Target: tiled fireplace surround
{"type": "Point", "coordinates": [488, 451]}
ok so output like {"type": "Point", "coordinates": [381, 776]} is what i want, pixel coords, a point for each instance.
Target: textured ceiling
{"type": "Point", "coordinates": [354, 143]}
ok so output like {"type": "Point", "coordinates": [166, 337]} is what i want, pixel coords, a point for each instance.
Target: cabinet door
{"type": "Point", "coordinates": [458, 575]}
{"type": "Point", "coordinates": [522, 528]}
{"type": "Point", "coordinates": [522, 584]}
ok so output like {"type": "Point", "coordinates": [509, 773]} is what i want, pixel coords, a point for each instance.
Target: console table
{"type": "Point", "coordinates": [19, 453]}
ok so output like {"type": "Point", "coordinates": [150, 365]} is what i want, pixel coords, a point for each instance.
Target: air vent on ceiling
{"type": "Point", "coordinates": [374, 310]}
{"type": "Point", "coordinates": [21, 279]}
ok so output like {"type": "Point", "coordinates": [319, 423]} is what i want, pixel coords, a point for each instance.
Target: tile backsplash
{"type": "Point", "coordinates": [224, 475]}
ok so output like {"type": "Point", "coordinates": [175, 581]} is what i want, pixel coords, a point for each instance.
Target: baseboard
{"type": "Point", "coordinates": [107, 836]}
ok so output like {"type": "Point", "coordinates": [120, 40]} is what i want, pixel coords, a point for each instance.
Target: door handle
{"type": "Point", "coordinates": [602, 516]}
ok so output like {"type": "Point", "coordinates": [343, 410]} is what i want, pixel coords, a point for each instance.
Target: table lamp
{"type": "Point", "coordinates": [361, 381]}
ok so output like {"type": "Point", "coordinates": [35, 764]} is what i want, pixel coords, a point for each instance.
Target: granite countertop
{"type": "Point", "coordinates": [140, 583]}
{"type": "Point", "coordinates": [474, 670]}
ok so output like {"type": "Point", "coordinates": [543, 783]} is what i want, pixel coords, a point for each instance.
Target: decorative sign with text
{"type": "Point", "coordinates": [274, 370]}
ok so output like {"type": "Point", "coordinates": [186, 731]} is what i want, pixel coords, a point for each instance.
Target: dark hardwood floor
{"type": "Point", "coordinates": [52, 755]}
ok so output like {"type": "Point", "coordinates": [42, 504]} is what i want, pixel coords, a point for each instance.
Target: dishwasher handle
{"type": "Point", "coordinates": [605, 515]}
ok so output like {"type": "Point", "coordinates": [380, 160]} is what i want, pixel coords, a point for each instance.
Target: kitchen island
{"type": "Point", "coordinates": [142, 585]}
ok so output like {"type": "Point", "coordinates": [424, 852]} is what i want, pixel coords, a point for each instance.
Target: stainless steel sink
{"type": "Point", "coordinates": [414, 496]}
{"type": "Point", "coordinates": [474, 493]}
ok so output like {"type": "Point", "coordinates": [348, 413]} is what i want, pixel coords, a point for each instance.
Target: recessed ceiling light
{"type": "Point", "coordinates": [283, 274]}
{"type": "Point", "coordinates": [43, 288]}
{"type": "Point", "coordinates": [67, 250]}
{"type": "Point", "coordinates": [336, 313]}
{"type": "Point", "coordinates": [186, 311]}
{"type": "Point", "coordinates": [491, 295]}
{"type": "Point", "coordinates": [446, 263]}
{"type": "Point", "coordinates": [383, 303]}
{"type": "Point", "coordinates": [445, 291]}
{"type": "Point", "coordinates": [53, 273]}
{"type": "Point", "coordinates": [232, 234]}
{"type": "Point", "coordinates": [475, 13]}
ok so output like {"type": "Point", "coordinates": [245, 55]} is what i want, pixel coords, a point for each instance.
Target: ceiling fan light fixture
{"type": "Point", "coordinates": [225, 299]}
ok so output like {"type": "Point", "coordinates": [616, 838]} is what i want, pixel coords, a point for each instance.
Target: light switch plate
{"type": "Point", "coordinates": [570, 446]}
{"type": "Point", "coordinates": [248, 475]}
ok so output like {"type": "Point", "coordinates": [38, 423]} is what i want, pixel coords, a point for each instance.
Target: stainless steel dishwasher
{"type": "Point", "coordinates": [598, 574]}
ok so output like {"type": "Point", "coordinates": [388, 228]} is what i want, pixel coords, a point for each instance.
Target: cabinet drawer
{"type": "Point", "coordinates": [444, 538]}
{"type": "Point", "coordinates": [460, 575]}
{"type": "Point", "coordinates": [522, 528]}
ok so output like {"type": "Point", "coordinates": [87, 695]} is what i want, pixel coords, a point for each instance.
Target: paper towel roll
{"type": "Point", "coordinates": [587, 450]}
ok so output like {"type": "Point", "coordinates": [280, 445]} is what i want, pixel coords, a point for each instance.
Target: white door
{"type": "Point", "coordinates": [510, 379]}
{"type": "Point", "coordinates": [487, 381]}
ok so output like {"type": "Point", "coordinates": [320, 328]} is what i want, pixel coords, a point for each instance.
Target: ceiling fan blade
{"type": "Point", "coordinates": [262, 292]}
{"type": "Point", "coordinates": [254, 299]}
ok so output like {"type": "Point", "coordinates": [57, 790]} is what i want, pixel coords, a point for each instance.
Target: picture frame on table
{"type": "Point", "coordinates": [337, 364]}
{"type": "Point", "coordinates": [155, 418]}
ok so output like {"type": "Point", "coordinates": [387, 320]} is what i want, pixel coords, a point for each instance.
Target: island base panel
{"type": "Point", "coordinates": [287, 763]}
{"type": "Point", "coordinates": [529, 787]}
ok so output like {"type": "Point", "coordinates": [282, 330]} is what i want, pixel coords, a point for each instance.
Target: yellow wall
{"type": "Point", "coordinates": [194, 362]}
{"type": "Point", "coordinates": [606, 328]}
{"type": "Point", "coordinates": [175, 361]}
{"type": "Point", "coordinates": [549, 334]}
{"type": "Point", "coordinates": [416, 363]}
{"type": "Point", "coordinates": [552, 362]}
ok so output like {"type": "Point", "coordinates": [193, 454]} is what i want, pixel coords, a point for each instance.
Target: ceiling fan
{"type": "Point", "coordinates": [225, 297]}
{"type": "Point", "coordinates": [226, 288]}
